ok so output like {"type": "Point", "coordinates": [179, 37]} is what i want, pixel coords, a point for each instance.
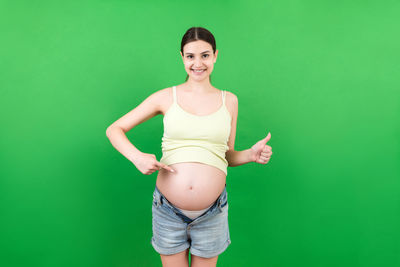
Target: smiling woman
{"type": "Point", "coordinates": [190, 199]}
{"type": "Point", "coordinates": [207, 55]}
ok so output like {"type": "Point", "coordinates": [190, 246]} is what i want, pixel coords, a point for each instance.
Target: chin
{"type": "Point", "coordinates": [199, 78]}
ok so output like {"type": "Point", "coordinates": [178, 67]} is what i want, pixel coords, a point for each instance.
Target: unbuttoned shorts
{"type": "Point", "coordinates": [207, 236]}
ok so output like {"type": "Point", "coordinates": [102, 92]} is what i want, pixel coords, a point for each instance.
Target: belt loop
{"type": "Point", "coordinates": [157, 198]}
{"type": "Point", "coordinates": [219, 203]}
{"type": "Point", "coordinates": [222, 197]}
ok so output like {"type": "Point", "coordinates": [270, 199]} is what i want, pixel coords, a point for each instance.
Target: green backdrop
{"type": "Point", "coordinates": [321, 76]}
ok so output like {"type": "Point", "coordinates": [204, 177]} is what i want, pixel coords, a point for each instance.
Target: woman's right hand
{"type": "Point", "coordinates": [147, 164]}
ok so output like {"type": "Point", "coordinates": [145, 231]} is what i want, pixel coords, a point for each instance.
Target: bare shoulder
{"type": "Point", "coordinates": [159, 97]}
{"type": "Point", "coordinates": [162, 93]}
{"type": "Point", "coordinates": [231, 97]}
{"type": "Point", "coordinates": [231, 101]}
{"type": "Point", "coordinates": [164, 99]}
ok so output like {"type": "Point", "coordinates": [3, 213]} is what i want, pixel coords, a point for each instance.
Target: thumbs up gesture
{"type": "Point", "coordinates": [260, 151]}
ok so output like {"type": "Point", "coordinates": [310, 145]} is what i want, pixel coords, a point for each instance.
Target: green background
{"type": "Point", "coordinates": [321, 76]}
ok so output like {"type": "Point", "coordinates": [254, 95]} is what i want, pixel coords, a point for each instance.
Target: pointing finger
{"type": "Point", "coordinates": [163, 166]}
{"type": "Point", "coordinates": [168, 168]}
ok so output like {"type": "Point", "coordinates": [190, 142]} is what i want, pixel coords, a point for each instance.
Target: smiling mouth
{"type": "Point", "coordinates": [198, 71]}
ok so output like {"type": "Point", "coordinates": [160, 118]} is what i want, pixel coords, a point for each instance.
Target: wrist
{"type": "Point", "coordinates": [250, 155]}
{"type": "Point", "coordinates": [134, 155]}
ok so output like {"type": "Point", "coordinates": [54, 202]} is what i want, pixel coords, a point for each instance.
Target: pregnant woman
{"type": "Point", "coordinates": [190, 200]}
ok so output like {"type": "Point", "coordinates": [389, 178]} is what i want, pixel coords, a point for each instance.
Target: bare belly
{"type": "Point", "coordinates": [193, 185]}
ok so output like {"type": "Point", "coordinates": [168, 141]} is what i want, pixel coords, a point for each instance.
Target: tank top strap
{"type": "Point", "coordinates": [174, 93]}
{"type": "Point", "coordinates": [223, 97]}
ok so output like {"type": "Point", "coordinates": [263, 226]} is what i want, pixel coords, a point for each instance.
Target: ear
{"type": "Point", "coordinates": [215, 55]}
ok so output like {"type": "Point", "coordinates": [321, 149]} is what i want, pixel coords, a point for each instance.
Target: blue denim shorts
{"type": "Point", "coordinates": [173, 232]}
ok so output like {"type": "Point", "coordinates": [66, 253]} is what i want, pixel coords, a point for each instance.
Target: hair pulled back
{"type": "Point", "coordinates": [195, 34]}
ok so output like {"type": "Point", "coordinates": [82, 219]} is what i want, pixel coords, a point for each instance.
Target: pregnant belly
{"type": "Point", "coordinates": [193, 185]}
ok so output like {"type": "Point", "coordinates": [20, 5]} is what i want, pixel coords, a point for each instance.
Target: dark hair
{"type": "Point", "coordinates": [195, 34]}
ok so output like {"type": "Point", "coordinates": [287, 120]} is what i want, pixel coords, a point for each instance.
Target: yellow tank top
{"type": "Point", "coordinates": [193, 138]}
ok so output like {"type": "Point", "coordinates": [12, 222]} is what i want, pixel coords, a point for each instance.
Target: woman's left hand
{"type": "Point", "coordinates": [260, 151]}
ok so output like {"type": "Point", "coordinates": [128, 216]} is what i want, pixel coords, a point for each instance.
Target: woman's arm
{"type": "Point", "coordinates": [236, 158]}
{"type": "Point", "coordinates": [259, 152]}
{"type": "Point", "coordinates": [150, 107]}
{"type": "Point", "coordinates": [120, 142]}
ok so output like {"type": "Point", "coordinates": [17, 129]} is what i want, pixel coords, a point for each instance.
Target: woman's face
{"type": "Point", "coordinates": [198, 55]}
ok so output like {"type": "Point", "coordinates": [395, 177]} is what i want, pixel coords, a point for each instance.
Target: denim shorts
{"type": "Point", "coordinates": [207, 236]}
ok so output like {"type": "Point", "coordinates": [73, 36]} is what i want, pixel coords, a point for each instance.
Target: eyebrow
{"type": "Point", "coordinates": [200, 53]}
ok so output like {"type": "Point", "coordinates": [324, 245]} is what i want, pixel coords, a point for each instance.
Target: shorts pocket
{"type": "Point", "coordinates": [155, 202]}
{"type": "Point", "coordinates": [224, 204]}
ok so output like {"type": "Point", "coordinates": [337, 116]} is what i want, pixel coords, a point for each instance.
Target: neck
{"type": "Point", "coordinates": [199, 86]}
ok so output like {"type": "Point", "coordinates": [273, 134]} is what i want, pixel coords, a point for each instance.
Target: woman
{"type": "Point", "coordinates": [190, 204]}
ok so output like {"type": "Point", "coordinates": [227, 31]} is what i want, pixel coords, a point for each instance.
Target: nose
{"type": "Point", "coordinates": [198, 63]}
